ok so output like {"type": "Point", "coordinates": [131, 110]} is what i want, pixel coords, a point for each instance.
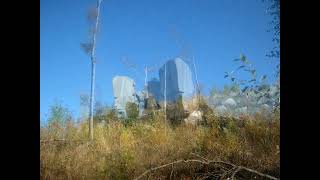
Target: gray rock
{"type": "Point", "coordinates": [273, 90]}
{"type": "Point", "coordinates": [262, 100]}
{"type": "Point", "coordinates": [241, 110]}
{"type": "Point", "coordinates": [230, 102]}
{"type": "Point", "coordinates": [123, 92]}
{"type": "Point", "coordinates": [215, 100]}
{"type": "Point", "coordinates": [178, 79]}
{"type": "Point", "coordinates": [266, 106]}
{"type": "Point", "coordinates": [154, 89]}
{"type": "Point", "coordinates": [221, 109]}
{"type": "Point", "coordinates": [232, 94]}
{"type": "Point", "coordinates": [194, 118]}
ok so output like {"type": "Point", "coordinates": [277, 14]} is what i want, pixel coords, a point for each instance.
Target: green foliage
{"type": "Point", "coordinates": [111, 115]}
{"type": "Point", "coordinates": [58, 121]}
{"type": "Point", "coordinates": [100, 112]}
{"type": "Point", "coordinates": [273, 10]}
{"type": "Point", "coordinates": [208, 113]}
{"type": "Point", "coordinates": [59, 115]}
{"type": "Point", "coordinates": [132, 110]}
{"type": "Point", "coordinates": [176, 112]}
{"type": "Point", "coordinates": [234, 87]}
{"type": "Point", "coordinates": [150, 103]}
{"type": "Point", "coordinates": [226, 89]}
{"type": "Point", "coordinates": [259, 87]}
{"type": "Point", "coordinates": [214, 91]}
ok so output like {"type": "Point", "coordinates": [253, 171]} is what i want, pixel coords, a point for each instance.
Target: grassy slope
{"type": "Point", "coordinates": [125, 151]}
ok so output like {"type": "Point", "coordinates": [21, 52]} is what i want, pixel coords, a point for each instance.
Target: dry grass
{"type": "Point", "coordinates": [125, 151]}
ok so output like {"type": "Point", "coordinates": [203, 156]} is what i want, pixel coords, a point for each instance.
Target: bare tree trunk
{"type": "Point", "coordinates": [93, 76]}
{"type": "Point", "coordinates": [93, 71]}
{"type": "Point", "coordinates": [165, 97]}
{"type": "Point", "coordinates": [196, 76]}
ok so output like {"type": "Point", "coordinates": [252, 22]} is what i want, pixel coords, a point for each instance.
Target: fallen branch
{"type": "Point", "coordinates": [61, 140]}
{"type": "Point", "coordinates": [235, 169]}
{"type": "Point", "coordinates": [256, 172]}
{"type": "Point", "coordinates": [235, 172]}
{"type": "Point", "coordinates": [171, 172]}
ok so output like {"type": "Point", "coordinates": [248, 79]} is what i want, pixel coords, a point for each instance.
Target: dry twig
{"type": "Point", "coordinates": [232, 170]}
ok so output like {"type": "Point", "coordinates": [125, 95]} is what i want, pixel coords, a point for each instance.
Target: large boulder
{"type": "Point", "coordinates": [221, 109]}
{"type": "Point", "coordinates": [233, 94]}
{"type": "Point", "coordinates": [215, 100]}
{"type": "Point", "coordinates": [230, 102]}
{"type": "Point", "coordinates": [194, 118]}
{"type": "Point", "coordinates": [123, 92]}
{"type": "Point", "coordinates": [176, 113]}
{"type": "Point", "coordinates": [241, 110]}
{"type": "Point", "coordinates": [266, 107]}
{"type": "Point", "coordinates": [177, 75]}
{"type": "Point", "coordinates": [151, 103]}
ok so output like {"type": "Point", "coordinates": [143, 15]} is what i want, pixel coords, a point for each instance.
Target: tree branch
{"type": "Point", "coordinates": [235, 169]}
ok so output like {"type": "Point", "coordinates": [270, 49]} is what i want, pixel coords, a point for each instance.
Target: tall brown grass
{"type": "Point", "coordinates": [121, 151]}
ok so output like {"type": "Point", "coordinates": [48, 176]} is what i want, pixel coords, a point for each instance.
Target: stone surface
{"type": "Point", "coordinates": [221, 109]}
{"type": "Point", "coordinates": [254, 100]}
{"type": "Point", "coordinates": [241, 110]}
{"type": "Point", "coordinates": [123, 92]}
{"type": "Point", "coordinates": [266, 106]}
{"type": "Point", "coordinates": [194, 118]}
{"type": "Point", "coordinates": [230, 102]}
{"type": "Point", "coordinates": [154, 89]}
{"type": "Point", "coordinates": [178, 80]}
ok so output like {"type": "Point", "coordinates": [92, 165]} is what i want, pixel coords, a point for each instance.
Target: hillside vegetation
{"type": "Point", "coordinates": [125, 149]}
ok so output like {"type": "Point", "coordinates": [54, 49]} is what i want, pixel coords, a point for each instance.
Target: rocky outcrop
{"type": "Point", "coordinates": [194, 118]}
{"type": "Point", "coordinates": [123, 92]}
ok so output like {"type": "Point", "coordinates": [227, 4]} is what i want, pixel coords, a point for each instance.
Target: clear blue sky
{"type": "Point", "coordinates": [217, 31]}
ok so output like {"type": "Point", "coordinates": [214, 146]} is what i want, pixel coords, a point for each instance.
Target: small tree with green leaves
{"type": "Point", "coordinates": [132, 110]}
{"type": "Point", "coordinates": [112, 115]}
{"type": "Point", "coordinates": [100, 112]}
{"type": "Point", "coordinates": [273, 10]}
{"type": "Point", "coordinates": [58, 119]}
{"type": "Point", "coordinates": [258, 86]}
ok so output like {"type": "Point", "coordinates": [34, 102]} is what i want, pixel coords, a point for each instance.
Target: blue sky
{"type": "Point", "coordinates": [216, 31]}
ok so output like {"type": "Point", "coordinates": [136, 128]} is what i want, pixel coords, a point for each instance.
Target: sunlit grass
{"type": "Point", "coordinates": [121, 151]}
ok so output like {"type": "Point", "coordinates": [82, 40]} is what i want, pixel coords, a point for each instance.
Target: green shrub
{"type": "Point", "coordinates": [132, 110]}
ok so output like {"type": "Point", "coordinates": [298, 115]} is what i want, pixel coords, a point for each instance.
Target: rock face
{"type": "Point", "coordinates": [150, 103]}
{"type": "Point", "coordinates": [176, 113]}
{"type": "Point", "coordinates": [154, 89]}
{"type": "Point", "coordinates": [175, 74]}
{"type": "Point", "coordinates": [241, 110]}
{"type": "Point", "coordinates": [194, 118]}
{"type": "Point", "coordinates": [230, 102]}
{"type": "Point", "coordinates": [266, 107]}
{"type": "Point", "coordinates": [221, 109]}
{"type": "Point", "coordinates": [178, 80]}
{"type": "Point", "coordinates": [250, 101]}
{"type": "Point", "coordinates": [123, 92]}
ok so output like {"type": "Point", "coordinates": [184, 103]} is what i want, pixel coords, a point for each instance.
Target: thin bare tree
{"type": "Point", "coordinates": [90, 48]}
{"type": "Point", "coordinates": [165, 97]}
{"type": "Point", "coordinates": [197, 82]}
